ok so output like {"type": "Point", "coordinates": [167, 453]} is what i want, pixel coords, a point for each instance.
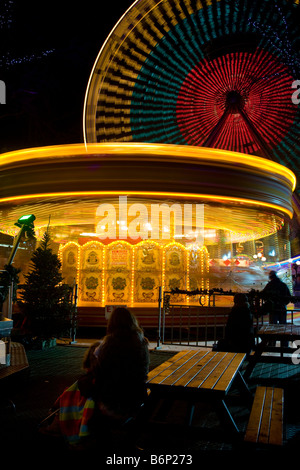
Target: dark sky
{"type": "Point", "coordinates": [47, 53]}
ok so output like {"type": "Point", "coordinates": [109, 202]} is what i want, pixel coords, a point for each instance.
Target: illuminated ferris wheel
{"type": "Point", "coordinates": [210, 73]}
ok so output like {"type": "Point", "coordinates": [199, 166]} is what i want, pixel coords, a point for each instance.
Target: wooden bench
{"type": "Point", "coordinates": [265, 424]}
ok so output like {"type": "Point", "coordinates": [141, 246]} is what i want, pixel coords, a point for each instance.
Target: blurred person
{"type": "Point", "coordinates": [239, 332]}
{"type": "Point", "coordinates": [276, 295]}
{"type": "Point", "coordinates": [296, 291]}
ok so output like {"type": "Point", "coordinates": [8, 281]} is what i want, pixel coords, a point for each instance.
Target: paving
{"type": "Point", "coordinates": [52, 370]}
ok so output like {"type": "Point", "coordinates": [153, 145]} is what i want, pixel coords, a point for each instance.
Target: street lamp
{"type": "Point", "coordinates": [26, 225]}
{"type": "Point", "coordinates": [26, 220]}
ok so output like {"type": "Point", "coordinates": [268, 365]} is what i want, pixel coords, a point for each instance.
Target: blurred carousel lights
{"type": "Point", "coordinates": [295, 265]}
{"type": "Point", "coordinates": [286, 263]}
{"type": "Point", "coordinates": [260, 258]}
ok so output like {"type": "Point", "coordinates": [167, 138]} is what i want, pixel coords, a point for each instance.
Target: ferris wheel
{"type": "Point", "coordinates": [210, 73]}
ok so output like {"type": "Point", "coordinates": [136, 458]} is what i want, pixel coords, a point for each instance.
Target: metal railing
{"type": "Point", "coordinates": [73, 320]}
{"type": "Point", "coordinates": [195, 325]}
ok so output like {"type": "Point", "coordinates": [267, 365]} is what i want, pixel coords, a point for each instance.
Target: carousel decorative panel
{"type": "Point", "coordinates": [90, 279]}
{"type": "Point", "coordinates": [147, 271]}
{"type": "Point", "coordinates": [175, 269]}
{"type": "Point", "coordinates": [69, 258]}
{"type": "Point", "coordinates": [118, 274]}
{"type": "Point", "coordinates": [198, 272]}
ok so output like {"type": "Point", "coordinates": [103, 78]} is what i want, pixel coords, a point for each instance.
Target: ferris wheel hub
{"type": "Point", "coordinates": [234, 101]}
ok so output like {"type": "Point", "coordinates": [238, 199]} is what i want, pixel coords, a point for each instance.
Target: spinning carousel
{"type": "Point", "coordinates": [188, 168]}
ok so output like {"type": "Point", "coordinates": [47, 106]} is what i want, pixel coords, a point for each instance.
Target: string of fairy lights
{"type": "Point", "coordinates": [282, 40]}
{"type": "Point", "coordinates": [9, 58]}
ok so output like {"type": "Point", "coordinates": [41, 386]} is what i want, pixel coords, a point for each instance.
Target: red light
{"type": "Point", "coordinates": [255, 82]}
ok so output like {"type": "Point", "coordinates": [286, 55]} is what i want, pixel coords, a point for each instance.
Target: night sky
{"type": "Point", "coordinates": [47, 53]}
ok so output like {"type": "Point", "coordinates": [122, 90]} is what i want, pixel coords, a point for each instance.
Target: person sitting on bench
{"type": "Point", "coordinates": [239, 332]}
{"type": "Point", "coordinates": [110, 392]}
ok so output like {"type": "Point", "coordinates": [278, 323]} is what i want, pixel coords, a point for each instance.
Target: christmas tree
{"type": "Point", "coordinates": [45, 301]}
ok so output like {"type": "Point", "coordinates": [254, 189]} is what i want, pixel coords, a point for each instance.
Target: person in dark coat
{"type": "Point", "coordinates": [239, 333]}
{"type": "Point", "coordinates": [276, 295]}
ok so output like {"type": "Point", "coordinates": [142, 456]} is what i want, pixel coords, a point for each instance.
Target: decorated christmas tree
{"type": "Point", "coordinates": [45, 301]}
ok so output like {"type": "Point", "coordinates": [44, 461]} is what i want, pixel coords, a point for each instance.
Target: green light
{"type": "Point", "coordinates": [26, 219]}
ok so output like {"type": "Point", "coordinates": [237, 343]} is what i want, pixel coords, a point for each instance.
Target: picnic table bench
{"type": "Point", "coordinates": [200, 376]}
{"type": "Point", "coordinates": [269, 334]}
{"type": "Point", "coordinates": [265, 424]}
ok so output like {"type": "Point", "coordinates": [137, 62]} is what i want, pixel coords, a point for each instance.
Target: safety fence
{"type": "Point", "coordinates": [193, 325]}
{"type": "Point", "coordinates": [198, 325]}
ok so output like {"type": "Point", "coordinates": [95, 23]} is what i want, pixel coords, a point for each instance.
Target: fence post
{"type": "Point", "coordinates": [158, 346]}
{"type": "Point", "coordinates": [74, 314]}
{"type": "Point", "coordinates": [8, 302]}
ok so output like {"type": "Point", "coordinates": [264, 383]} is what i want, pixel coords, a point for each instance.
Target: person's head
{"type": "Point", "coordinates": [272, 275]}
{"type": "Point", "coordinates": [240, 299]}
{"type": "Point", "coordinates": [122, 321]}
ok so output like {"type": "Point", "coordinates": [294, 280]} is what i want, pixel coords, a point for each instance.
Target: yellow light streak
{"type": "Point", "coordinates": [132, 275]}
{"type": "Point", "coordinates": [194, 196]}
{"type": "Point", "coordinates": [103, 277]}
{"type": "Point", "coordinates": [128, 150]}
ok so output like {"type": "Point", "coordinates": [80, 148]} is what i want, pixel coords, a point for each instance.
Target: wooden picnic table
{"type": "Point", "coordinates": [287, 331]}
{"type": "Point", "coordinates": [268, 336]}
{"type": "Point", "coordinates": [198, 376]}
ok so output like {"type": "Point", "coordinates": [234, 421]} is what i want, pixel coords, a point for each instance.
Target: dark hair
{"type": "Point", "coordinates": [122, 321]}
{"type": "Point", "coordinates": [272, 274]}
{"type": "Point", "coordinates": [240, 299]}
